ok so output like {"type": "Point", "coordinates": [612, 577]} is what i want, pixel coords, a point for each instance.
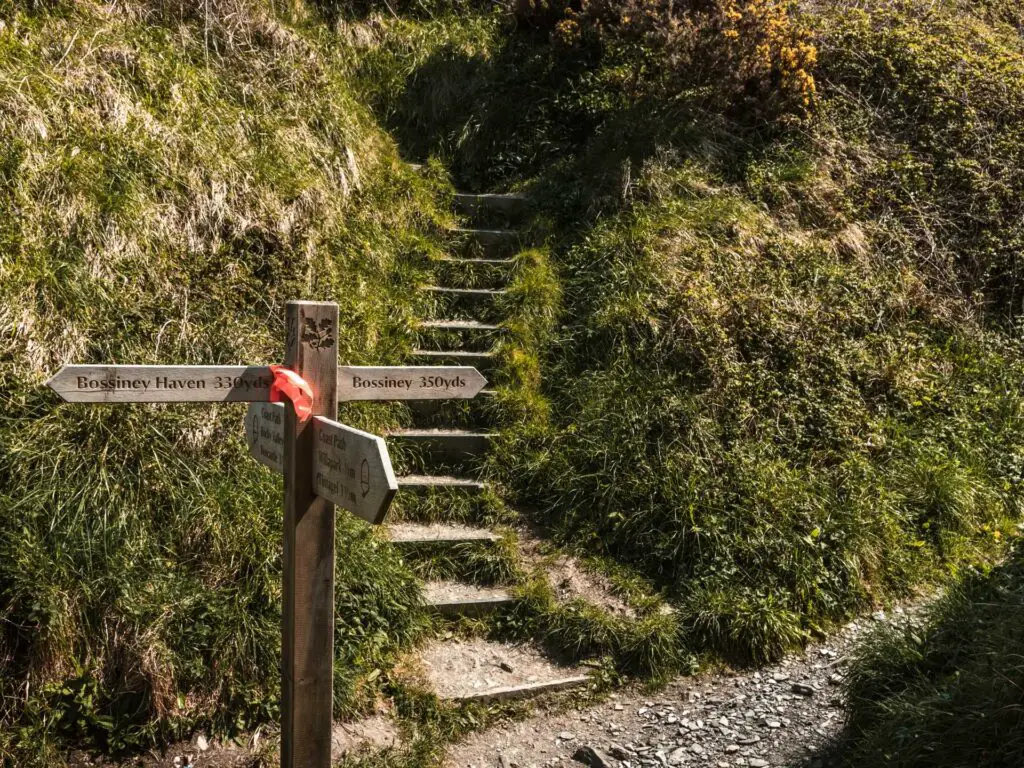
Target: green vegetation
{"type": "Point", "coordinates": [944, 691]}
{"type": "Point", "coordinates": [167, 182]}
{"type": "Point", "coordinates": [764, 359]}
{"type": "Point", "coordinates": [781, 372]}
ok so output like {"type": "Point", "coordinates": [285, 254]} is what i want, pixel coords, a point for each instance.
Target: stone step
{"type": "Point", "coordinates": [481, 304]}
{"type": "Point", "coordinates": [484, 670]}
{"type": "Point", "coordinates": [465, 335]}
{"type": "Point", "coordinates": [471, 262]}
{"type": "Point", "coordinates": [526, 690]}
{"type": "Point", "coordinates": [439, 533]}
{"type": "Point", "coordinates": [450, 447]}
{"type": "Point", "coordinates": [430, 482]}
{"type": "Point", "coordinates": [451, 598]}
{"type": "Point", "coordinates": [482, 361]}
{"type": "Point", "coordinates": [459, 325]}
{"type": "Point", "coordinates": [504, 207]}
{"type": "Point", "coordinates": [488, 243]}
{"type": "Point", "coordinates": [476, 413]}
{"type": "Point", "coordinates": [464, 272]}
{"type": "Point", "coordinates": [479, 293]}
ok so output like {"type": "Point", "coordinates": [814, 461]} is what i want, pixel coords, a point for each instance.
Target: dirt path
{"type": "Point", "coordinates": [775, 716]}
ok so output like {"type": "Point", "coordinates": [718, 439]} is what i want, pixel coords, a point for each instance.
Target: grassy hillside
{"type": "Point", "coordinates": [766, 352]}
{"type": "Point", "coordinates": [784, 379]}
{"type": "Point", "coordinates": [169, 179]}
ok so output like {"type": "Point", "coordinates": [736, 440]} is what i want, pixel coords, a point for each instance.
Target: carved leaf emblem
{"type": "Point", "coordinates": [318, 337]}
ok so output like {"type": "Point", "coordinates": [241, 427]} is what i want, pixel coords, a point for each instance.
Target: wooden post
{"type": "Point", "coordinates": [307, 646]}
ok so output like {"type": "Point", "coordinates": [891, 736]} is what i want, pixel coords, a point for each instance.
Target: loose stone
{"type": "Point", "coordinates": [678, 756]}
{"type": "Point", "coordinates": [620, 752]}
{"type": "Point", "coordinates": [593, 757]}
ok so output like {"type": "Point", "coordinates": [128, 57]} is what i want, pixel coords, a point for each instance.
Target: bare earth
{"type": "Point", "coordinates": [776, 716]}
{"type": "Point", "coordinates": [569, 578]}
{"type": "Point", "coordinates": [467, 667]}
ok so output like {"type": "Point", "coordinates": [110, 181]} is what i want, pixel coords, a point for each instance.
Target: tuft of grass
{"type": "Point", "coordinates": [487, 564]}
{"type": "Point", "coordinates": [943, 690]}
{"type": "Point", "coordinates": [647, 644]}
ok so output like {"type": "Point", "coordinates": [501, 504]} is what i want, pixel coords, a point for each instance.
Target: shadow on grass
{"type": "Point", "coordinates": [528, 110]}
{"type": "Point", "coordinates": [948, 692]}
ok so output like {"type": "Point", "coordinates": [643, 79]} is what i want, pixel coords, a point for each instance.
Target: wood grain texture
{"type": "Point", "coordinates": [352, 468]}
{"type": "Point", "coordinates": [308, 601]}
{"type": "Point", "coordinates": [162, 383]}
{"type": "Point", "coordinates": [393, 382]}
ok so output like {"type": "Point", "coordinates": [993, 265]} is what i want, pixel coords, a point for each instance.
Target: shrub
{"type": "Point", "coordinates": [748, 56]}
{"type": "Point", "coordinates": [775, 432]}
{"type": "Point", "coordinates": [933, 106]}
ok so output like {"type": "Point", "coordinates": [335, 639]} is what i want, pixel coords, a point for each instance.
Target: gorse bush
{"type": "Point", "coordinates": [934, 104]}
{"type": "Point", "coordinates": [748, 56]}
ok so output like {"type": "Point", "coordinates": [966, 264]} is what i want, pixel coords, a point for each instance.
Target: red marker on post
{"type": "Point", "coordinates": [288, 384]}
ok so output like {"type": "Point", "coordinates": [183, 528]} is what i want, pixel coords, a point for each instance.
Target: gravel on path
{"type": "Point", "coordinates": [775, 716]}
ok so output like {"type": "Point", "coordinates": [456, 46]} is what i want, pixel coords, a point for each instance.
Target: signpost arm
{"type": "Point", "coordinates": [308, 592]}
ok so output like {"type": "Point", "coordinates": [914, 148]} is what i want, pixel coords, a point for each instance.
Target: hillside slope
{"type": "Point", "coordinates": [783, 380]}
{"type": "Point", "coordinates": [169, 179]}
{"type": "Point", "coordinates": [765, 357]}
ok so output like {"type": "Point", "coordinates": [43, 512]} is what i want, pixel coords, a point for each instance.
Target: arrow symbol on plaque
{"type": "Point", "coordinates": [264, 434]}
{"type": "Point", "coordinates": [339, 450]}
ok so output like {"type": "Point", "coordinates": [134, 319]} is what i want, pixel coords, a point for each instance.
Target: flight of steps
{"type": "Point", "coordinates": [464, 327]}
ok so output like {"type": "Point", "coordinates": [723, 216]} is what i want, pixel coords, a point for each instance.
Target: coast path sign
{"type": "Point", "coordinates": [350, 467]}
{"type": "Point", "coordinates": [323, 462]}
{"type": "Point", "coordinates": [251, 384]}
{"type": "Point", "coordinates": [162, 383]}
{"type": "Point", "coordinates": [413, 383]}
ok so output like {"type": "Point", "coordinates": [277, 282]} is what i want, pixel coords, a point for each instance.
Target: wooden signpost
{"type": "Point", "coordinates": [323, 462]}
